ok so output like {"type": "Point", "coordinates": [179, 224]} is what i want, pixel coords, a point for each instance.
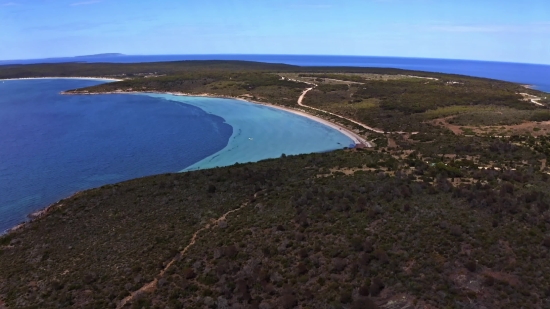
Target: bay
{"type": "Point", "coordinates": [53, 145]}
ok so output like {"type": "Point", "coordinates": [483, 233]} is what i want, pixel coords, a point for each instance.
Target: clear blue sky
{"type": "Point", "coordinates": [499, 30]}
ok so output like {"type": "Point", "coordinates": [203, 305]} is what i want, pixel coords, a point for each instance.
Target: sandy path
{"type": "Point", "coordinates": [344, 81]}
{"type": "Point", "coordinates": [301, 98]}
{"type": "Point", "coordinates": [536, 101]}
{"type": "Point", "coordinates": [303, 95]}
{"type": "Point", "coordinates": [533, 99]}
{"type": "Point", "coordinates": [352, 135]}
{"type": "Point", "coordinates": [412, 76]}
{"type": "Point", "coordinates": [151, 286]}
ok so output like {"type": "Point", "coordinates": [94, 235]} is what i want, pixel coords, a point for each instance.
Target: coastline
{"type": "Point", "coordinates": [346, 223]}
{"type": "Point", "coordinates": [36, 215]}
{"type": "Point", "coordinates": [356, 138]}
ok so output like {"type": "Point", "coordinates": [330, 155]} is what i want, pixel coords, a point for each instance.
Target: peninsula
{"type": "Point", "coordinates": [442, 203]}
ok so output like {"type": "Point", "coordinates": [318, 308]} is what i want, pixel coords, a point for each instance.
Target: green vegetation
{"type": "Point", "coordinates": [493, 117]}
{"type": "Point", "coordinates": [422, 96]}
{"type": "Point", "coordinates": [307, 238]}
{"type": "Point", "coordinates": [391, 101]}
{"type": "Point", "coordinates": [346, 77]}
{"type": "Point", "coordinates": [258, 86]}
{"type": "Point", "coordinates": [541, 116]}
{"type": "Point", "coordinates": [447, 111]}
{"type": "Point", "coordinates": [388, 99]}
{"type": "Point", "coordinates": [133, 70]}
{"type": "Point", "coordinates": [430, 219]}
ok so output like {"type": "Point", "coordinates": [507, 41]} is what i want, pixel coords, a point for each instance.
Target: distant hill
{"type": "Point", "coordinates": [100, 55]}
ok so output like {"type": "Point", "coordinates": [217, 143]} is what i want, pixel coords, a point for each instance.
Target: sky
{"type": "Point", "coordinates": [496, 30]}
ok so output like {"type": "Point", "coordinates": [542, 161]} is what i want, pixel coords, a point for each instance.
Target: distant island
{"type": "Point", "coordinates": [100, 55]}
{"type": "Point", "coordinates": [446, 203]}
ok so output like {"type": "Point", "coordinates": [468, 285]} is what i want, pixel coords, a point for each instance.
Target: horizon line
{"type": "Point", "coordinates": [114, 54]}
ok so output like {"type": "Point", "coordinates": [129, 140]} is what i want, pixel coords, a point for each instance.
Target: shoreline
{"type": "Point", "coordinates": [356, 138]}
{"type": "Point", "coordinates": [40, 213]}
{"type": "Point", "coordinates": [78, 77]}
{"type": "Point", "coordinates": [37, 215]}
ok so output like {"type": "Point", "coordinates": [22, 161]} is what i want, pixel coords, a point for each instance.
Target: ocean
{"type": "Point", "coordinates": [53, 145]}
{"type": "Point", "coordinates": [536, 75]}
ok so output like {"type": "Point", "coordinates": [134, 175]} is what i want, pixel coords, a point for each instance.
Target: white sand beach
{"type": "Point", "coordinates": [357, 139]}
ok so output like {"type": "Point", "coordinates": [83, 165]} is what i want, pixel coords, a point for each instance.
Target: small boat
{"type": "Point", "coordinates": [250, 138]}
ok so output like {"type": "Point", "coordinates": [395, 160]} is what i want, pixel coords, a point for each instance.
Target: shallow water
{"type": "Point", "coordinates": [261, 132]}
{"type": "Point", "coordinates": [53, 145]}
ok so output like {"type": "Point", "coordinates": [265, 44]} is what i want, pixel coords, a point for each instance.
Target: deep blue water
{"type": "Point", "coordinates": [53, 145]}
{"type": "Point", "coordinates": [529, 74]}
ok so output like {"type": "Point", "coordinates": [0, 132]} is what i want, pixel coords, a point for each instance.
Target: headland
{"type": "Point", "coordinates": [454, 215]}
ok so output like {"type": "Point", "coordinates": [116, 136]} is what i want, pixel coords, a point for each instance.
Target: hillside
{"type": "Point", "coordinates": [449, 210]}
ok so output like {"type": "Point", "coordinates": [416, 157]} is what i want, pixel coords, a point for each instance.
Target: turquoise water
{"type": "Point", "coordinates": [261, 132]}
{"type": "Point", "coordinates": [53, 145]}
